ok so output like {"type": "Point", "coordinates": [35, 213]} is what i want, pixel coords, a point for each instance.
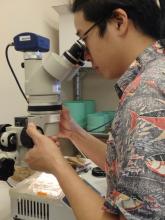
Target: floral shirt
{"type": "Point", "coordinates": [135, 163]}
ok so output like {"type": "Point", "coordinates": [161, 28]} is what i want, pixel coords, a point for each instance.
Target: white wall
{"type": "Point", "coordinates": [16, 17]}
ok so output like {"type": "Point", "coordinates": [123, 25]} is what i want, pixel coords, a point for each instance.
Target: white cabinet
{"type": "Point", "coordinates": [67, 31]}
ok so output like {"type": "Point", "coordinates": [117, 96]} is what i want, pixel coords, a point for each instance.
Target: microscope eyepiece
{"type": "Point", "coordinates": [76, 53]}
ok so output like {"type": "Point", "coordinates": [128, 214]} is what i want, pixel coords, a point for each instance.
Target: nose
{"type": "Point", "coordinates": [87, 55]}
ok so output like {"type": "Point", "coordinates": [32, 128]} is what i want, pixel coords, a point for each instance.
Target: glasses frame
{"type": "Point", "coordinates": [84, 36]}
{"type": "Point", "coordinates": [94, 25]}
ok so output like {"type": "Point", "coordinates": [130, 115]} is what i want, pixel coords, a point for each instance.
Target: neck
{"type": "Point", "coordinates": [135, 49]}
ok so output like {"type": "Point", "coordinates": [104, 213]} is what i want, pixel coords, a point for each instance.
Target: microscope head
{"type": "Point", "coordinates": [60, 67]}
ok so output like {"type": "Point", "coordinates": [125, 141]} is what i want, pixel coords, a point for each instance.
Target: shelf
{"type": "Point", "coordinates": [100, 135]}
{"type": "Point", "coordinates": [61, 2]}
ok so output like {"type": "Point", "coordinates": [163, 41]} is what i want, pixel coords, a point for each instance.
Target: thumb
{"type": "Point", "coordinates": [33, 132]}
{"type": "Point", "coordinates": [65, 113]}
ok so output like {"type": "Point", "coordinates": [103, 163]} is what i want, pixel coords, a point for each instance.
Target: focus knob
{"type": "Point", "coordinates": [26, 140]}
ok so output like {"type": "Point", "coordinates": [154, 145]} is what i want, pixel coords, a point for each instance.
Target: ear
{"type": "Point", "coordinates": [121, 21]}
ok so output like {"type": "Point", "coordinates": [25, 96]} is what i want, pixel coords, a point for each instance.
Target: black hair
{"type": "Point", "coordinates": [162, 27]}
{"type": "Point", "coordinates": [147, 15]}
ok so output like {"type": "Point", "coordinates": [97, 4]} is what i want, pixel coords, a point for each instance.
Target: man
{"type": "Point", "coordinates": [121, 42]}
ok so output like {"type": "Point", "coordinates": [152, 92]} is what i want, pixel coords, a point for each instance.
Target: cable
{"type": "Point", "coordinates": [9, 64]}
{"type": "Point", "coordinates": [9, 184]}
{"type": "Point", "coordinates": [91, 131]}
{"type": "Point", "coordinates": [100, 126]}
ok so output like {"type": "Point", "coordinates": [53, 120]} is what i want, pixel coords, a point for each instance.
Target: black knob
{"type": "Point", "coordinates": [23, 65]}
{"type": "Point", "coordinates": [98, 172]}
{"type": "Point", "coordinates": [3, 127]}
{"type": "Point", "coordinates": [26, 140]}
{"type": "Point", "coordinates": [6, 168]}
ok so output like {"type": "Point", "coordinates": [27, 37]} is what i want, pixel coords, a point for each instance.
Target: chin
{"type": "Point", "coordinates": [113, 75]}
{"type": "Point", "coordinates": [108, 75]}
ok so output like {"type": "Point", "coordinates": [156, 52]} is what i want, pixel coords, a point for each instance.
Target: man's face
{"type": "Point", "coordinates": [105, 52]}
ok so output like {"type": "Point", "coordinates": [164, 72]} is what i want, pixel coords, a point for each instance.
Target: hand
{"type": "Point", "coordinates": [45, 155]}
{"type": "Point", "coordinates": [67, 125]}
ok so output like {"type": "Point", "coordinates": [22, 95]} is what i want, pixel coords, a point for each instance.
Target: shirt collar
{"type": "Point", "coordinates": [148, 55]}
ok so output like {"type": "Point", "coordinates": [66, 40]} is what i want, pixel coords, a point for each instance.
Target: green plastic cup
{"type": "Point", "coordinates": [77, 111]}
{"type": "Point", "coordinates": [95, 122]}
{"type": "Point", "coordinates": [90, 106]}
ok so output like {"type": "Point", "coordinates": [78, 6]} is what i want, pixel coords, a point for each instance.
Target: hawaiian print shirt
{"type": "Point", "coordinates": [135, 163]}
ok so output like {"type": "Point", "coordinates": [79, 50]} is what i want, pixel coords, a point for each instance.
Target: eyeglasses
{"type": "Point", "coordinates": [85, 35]}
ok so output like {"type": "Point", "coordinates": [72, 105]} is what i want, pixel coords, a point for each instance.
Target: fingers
{"type": "Point", "coordinates": [65, 114]}
{"type": "Point", "coordinates": [33, 132]}
{"type": "Point", "coordinates": [55, 139]}
{"type": "Point", "coordinates": [29, 157]}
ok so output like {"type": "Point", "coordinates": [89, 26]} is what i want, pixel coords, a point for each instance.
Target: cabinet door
{"type": "Point", "coordinates": [67, 32]}
{"type": "Point", "coordinates": [66, 24]}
